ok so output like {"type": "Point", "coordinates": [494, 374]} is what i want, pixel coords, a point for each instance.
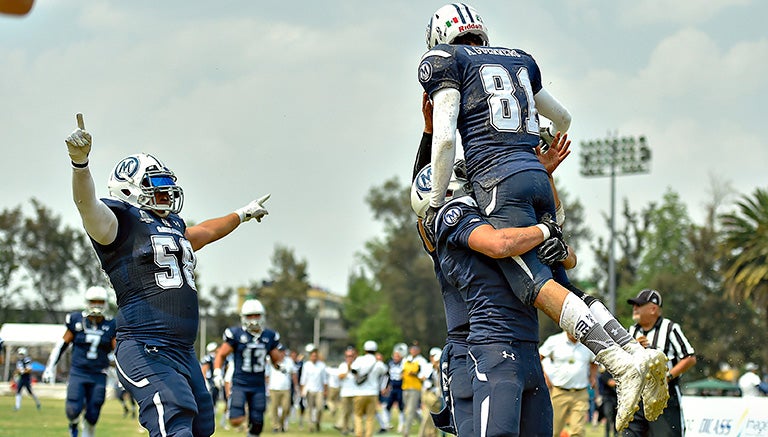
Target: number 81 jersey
{"type": "Point", "coordinates": [250, 353]}
{"type": "Point", "coordinates": [497, 119]}
{"type": "Point", "coordinates": [151, 267]}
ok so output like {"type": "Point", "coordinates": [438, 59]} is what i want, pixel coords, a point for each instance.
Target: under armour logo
{"type": "Point", "coordinates": [506, 354]}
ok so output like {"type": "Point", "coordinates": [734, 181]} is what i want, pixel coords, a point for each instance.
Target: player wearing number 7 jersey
{"type": "Point", "coordinates": [149, 254]}
{"type": "Point", "coordinates": [250, 343]}
{"type": "Point", "coordinates": [92, 334]}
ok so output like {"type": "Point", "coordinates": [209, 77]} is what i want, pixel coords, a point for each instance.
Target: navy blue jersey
{"type": "Point", "coordinates": [250, 353]}
{"type": "Point", "coordinates": [495, 313]}
{"type": "Point", "coordinates": [498, 122]}
{"type": "Point", "coordinates": [456, 314]}
{"type": "Point", "coordinates": [24, 367]}
{"type": "Point", "coordinates": [151, 267]}
{"type": "Point", "coordinates": [92, 343]}
{"type": "Point", "coordinates": [208, 359]}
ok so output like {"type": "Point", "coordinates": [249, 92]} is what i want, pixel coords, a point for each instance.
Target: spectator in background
{"type": "Point", "coordinates": [314, 386]}
{"type": "Point", "coordinates": [279, 385]}
{"type": "Point", "coordinates": [297, 401]}
{"type": "Point", "coordinates": [368, 372]}
{"type": "Point", "coordinates": [347, 393]}
{"type": "Point", "coordinates": [652, 330]}
{"type": "Point", "coordinates": [749, 382]}
{"type": "Point", "coordinates": [416, 369]}
{"type": "Point", "coordinates": [430, 396]}
{"type": "Point", "coordinates": [334, 388]}
{"type": "Point", "coordinates": [569, 369]}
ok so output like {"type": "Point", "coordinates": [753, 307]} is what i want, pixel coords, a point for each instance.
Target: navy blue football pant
{"type": "Point", "coordinates": [510, 394]}
{"type": "Point", "coordinates": [457, 391]}
{"type": "Point", "coordinates": [24, 382]}
{"type": "Point", "coordinates": [168, 386]}
{"type": "Point", "coordinates": [517, 201]}
{"type": "Point", "coordinates": [85, 391]}
{"type": "Point", "coordinates": [253, 396]}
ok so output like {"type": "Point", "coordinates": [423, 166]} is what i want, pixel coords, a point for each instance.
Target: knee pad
{"type": "Point", "coordinates": [73, 410]}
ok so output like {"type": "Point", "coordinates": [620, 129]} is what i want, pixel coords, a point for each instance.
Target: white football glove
{"type": "Point", "coordinates": [218, 378]}
{"type": "Point", "coordinates": [254, 210]}
{"type": "Point", "coordinates": [48, 376]}
{"type": "Point", "coordinates": [79, 146]}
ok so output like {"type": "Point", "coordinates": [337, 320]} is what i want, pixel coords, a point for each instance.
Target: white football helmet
{"type": "Point", "coordinates": [422, 186]}
{"type": "Point", "coordinates": [95, 301]}
{"type": "Point", "coordinates": [22, 351]}
{"type": "Point", "coordinates": [211, 347]}
{"type": "Point", "coordinates": [138, 178]}
{"type": "Point", "coordinates": [253, 307]}
{"type": "Point", "coordinates": [453, 20]}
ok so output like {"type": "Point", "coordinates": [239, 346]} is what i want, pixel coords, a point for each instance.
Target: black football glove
{"type": "Point", "coordinates": [552, 251]}
{"type": "Point", "coordinates": [554, 229]}
{"type": "Point", "coordinates": [429, 224]}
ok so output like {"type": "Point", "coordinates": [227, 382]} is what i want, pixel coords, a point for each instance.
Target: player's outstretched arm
{"type": "Point", "coordinates": [216, 228]}
{"type": "Point", "coordinates": [98, 220]}
{"type": "Point", "coordinates": [49, 374]}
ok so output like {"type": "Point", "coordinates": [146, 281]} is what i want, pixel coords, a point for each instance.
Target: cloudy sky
{"type": "Point", "coordinates": [316, 102]}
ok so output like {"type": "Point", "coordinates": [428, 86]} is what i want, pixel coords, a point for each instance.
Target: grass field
{"type": "Point", "coordinates": [51, 421]}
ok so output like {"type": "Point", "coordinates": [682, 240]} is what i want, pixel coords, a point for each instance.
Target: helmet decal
{"type": "Point", "coordinates": [127, 168]}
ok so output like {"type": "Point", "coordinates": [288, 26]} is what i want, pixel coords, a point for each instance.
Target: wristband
{"type": "Point", "coordinates": [544, 230]}
{"type": "Point", "coordinates": [76, 165]}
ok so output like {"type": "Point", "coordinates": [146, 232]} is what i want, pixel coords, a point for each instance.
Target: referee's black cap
{"type": "Point", "coordinates": [646, 296]}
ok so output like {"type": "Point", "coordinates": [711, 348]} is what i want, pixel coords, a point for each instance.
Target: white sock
{"type": "Point", "coordinates": [18, 400]}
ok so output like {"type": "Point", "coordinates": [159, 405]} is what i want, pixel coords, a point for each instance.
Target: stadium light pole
{"type": "Point", "coordinates": [614, 156]}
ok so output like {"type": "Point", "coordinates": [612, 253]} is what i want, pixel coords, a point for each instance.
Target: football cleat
{"type": "Point", "coordinates": [655, 391]}
{"type": "Point", "coordinates": [630, 379]}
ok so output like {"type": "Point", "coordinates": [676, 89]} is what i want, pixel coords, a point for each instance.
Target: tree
{"type": "Point", "coordinates": [630, 241]}
{"type": "Point", "coordinates": [285, 298]}
{"type": "Point", "coordinates": [10, 230]}
{"type": "Point", "coordinates": [57, 259]}
{"type": "Point", "coordinates": [745, 249]}
{"type": "Point", "coordinates": [400, 269]}
{"type": "Point", "coordinates": [368, 316]}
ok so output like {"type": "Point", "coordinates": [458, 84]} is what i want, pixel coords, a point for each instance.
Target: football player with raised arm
{"type": "Point", "coordinates": [148, 252]}
{"type": "Point", "coordinates": [92, 335]}
{"type": "Point", "coordinates": [493, 96]}
{"type": "Point", "coordinates": [250, 343]}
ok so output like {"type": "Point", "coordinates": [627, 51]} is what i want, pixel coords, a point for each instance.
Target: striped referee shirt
{"type": "Point", "coordinates": [666, 336]}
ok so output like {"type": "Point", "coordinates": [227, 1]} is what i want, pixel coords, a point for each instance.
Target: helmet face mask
{"type": "Point", "coordinates": [452, 21]}
{"type": "Point", "coordinates": [253, 316]}
{"type": "Point", "coordinates": [145, 182]}
{"type": "Point", "coordinates": [95, 301]}
{"type": "Point", "coordinates": [422, 186]}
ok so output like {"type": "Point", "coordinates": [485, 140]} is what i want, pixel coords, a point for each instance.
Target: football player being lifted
{"type": "Point", "coordinates": [91, 333]}
{"type": "Point", "coordinates": [250, 343]}
{"type": "Point", "coordinates": [148, 252]}
{"type": "Point", "coordinates": [493, 96]}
